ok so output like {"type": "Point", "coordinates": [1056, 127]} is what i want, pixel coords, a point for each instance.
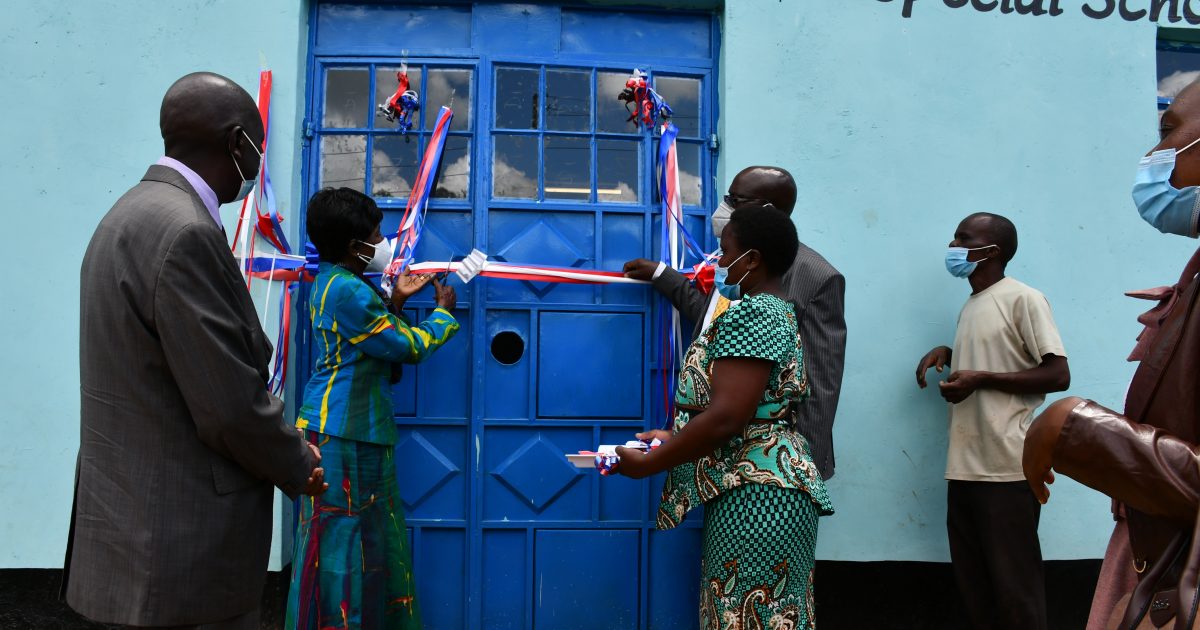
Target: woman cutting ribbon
{"type": "Point", "coordinates": [352, 566]}
{"type": "Point", "coordinates": [734, 447]}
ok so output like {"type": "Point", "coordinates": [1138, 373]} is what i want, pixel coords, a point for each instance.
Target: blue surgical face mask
{"type": "Point", "coordinates": [957, 263]}
{"type": "Point", "coordinates": [721, 276]}
{"type": "Point", "coordinates": [247, 184]}
{"type": "Point", "coordinates": [1169, 209]}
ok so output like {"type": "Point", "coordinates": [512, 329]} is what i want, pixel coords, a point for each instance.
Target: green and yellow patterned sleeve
{"type": "Point", "coordinates": [366, 322]}
{"type": "Point", "coordinates": [753, 328]}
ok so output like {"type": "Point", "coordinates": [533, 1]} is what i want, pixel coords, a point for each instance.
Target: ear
{"type": "Point", "coordinates": [754, 260]}
{"type": "Point", "coordinates": [233, 141]}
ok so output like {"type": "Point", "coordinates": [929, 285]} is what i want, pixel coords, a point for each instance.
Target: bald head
{"type": "Point", "coordinates": [212, 125]}
{"type": "Point", "coordinates": [200, 110]}
{"type": "Point", "coordinates": [996, 230]}
{"type": "Point", "coordinates": [771, 184]}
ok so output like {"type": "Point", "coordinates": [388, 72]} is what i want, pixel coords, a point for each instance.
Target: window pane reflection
{"type": "Point", "coordinates": [683, 95]}
{"type": "Point", "coordinates": [617, 170]}
{"type": "Point", "coordinates": [344, 161]}
{"type": "Point", "coordinates": [611, 115]}
{"type": "Point", "coordinates": [385, 86]}
{"type": "Point", "coordinates": [568, 100]}
{"type": "Point", "coordinates": [1178, 66]}
{"type": "Point", "coordinates": [394, 161]}
{"type": "Point", "coordinates": [346, 98]}
{"type": "Point", "coordinates": [516, 98]}
{"type": "Point", "coordinates": [454, 172]}
{"type": "Point", "coordinates": [451, 88]}
{"type": "Point", "coordinates": [690, 182]}
{"type": "Point", "coordinates": [568, 168]}
{"type": "Point", "coordinates": [514, 167]}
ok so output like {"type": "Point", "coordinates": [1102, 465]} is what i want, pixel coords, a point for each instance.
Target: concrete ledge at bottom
{"type": "Point", "coordinates": [850, 596]}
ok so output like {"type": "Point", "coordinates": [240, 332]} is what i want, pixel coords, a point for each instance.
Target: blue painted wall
{"type": "Point", "coordinates": [895, 129]}
{"type": "Point", "coordinates": [79, 127]}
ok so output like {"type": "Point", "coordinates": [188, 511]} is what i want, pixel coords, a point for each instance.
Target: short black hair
{"type": "Point", "coordinates": [1001, 232]}
{"type": "Point", "coordinates": [337, 216]}
{"type": "Point", "coordinates": [764, 228]}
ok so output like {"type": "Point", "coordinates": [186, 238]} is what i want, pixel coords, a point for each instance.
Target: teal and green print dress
{"type": "Point", "coordinates": [352, 567]}
{"type": "Point", "coordinates": [761, 492]}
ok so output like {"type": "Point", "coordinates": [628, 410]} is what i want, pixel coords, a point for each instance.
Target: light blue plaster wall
{"type": "Point", "coordinates": [79, 126]}
{"type": "Point", "coordinates": [896, 129]}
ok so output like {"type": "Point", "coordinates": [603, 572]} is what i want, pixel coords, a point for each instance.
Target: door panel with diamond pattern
{"type": "Point", "coordinates": [541, 167]}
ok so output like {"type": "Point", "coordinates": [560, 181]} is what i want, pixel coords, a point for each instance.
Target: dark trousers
{"type": "Point", "coordinates": [248, 621]}
{"type": "Point", "coordinates": [996, 555]}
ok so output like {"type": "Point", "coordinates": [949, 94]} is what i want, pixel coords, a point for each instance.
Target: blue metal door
{"type": "Point", "coordinates": [541, 167]}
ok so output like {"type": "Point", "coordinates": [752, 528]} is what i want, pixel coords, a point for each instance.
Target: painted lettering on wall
{"type": "Point", "coordinates": [1128, 10]}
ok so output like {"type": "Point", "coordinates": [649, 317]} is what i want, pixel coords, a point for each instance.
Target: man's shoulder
{"type": "Point", "coordinates": [811, 263]}
{"type": "Point", "coordinates": [157, 200]}
{"type": "Point", "coordinates": [809, 274]}
{"type": "Point", "coordinates": [1012, 290]}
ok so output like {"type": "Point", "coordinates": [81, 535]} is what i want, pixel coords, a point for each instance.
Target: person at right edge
{"type": "Point", "coordinates": [1147, 458]}
{"type": "Point", "coordinates": [813, 286]}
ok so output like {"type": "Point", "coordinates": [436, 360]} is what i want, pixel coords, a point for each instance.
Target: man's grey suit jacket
{"type": "Point", "coordinates": [180, 442]}
{"type": "Point", "coordinates": [818, 292]}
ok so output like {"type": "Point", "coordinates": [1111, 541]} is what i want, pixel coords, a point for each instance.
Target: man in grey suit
{"type": "Point", "coordinates": [180, 442]}
{"type": "Point", "coordinates": [812, 284]}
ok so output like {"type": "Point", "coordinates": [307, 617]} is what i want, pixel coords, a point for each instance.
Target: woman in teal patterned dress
{"type": "Point", "coordinates": [352, 567]}
{"type": "Point", "coordinates": [734, 447]}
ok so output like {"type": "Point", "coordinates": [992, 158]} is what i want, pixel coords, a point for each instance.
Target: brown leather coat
{"type": "Point", "coordinates": [1149, 459]}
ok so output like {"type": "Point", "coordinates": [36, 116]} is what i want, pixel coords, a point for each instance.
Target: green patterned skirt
{"type": "Point", "coordinates": [352, 567]}
{"type": "Point", "coordinates": [759, 549]}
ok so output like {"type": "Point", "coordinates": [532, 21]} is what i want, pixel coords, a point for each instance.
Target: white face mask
{"type": "Point", "coordinates": [247, 184]}
{"type": "Point", "coordinates": [720, 218]}
{"type": "Point", "coordinates": [379, 261]}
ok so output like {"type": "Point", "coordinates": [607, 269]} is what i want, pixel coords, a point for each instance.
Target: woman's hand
{"type": "Point", "coordinates": [657, 434]}
{"type": "Point", "coordinates": [446, 296]}
{"type": "Point", "coordinates": [634, 464]}
{"type": "Point", "coordinates": [407, 286]}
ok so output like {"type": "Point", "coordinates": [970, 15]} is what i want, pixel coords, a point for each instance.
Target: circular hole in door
{"type": "Point", "coordinates": [508, 347]}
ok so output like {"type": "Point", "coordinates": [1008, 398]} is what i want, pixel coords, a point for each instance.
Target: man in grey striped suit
{"type": "Point", "coordinates": [812, 284]}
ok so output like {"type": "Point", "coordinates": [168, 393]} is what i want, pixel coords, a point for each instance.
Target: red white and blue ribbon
{"type": "Point", "coordinates": [413, 223]}
{"type": "Point", "coordinates": [675, 243]}
{"type": "Point", "coordinates": [403, 103]}
{"type": "Point", "coordinates": [267, 222]}
{"type": "Point", "coordinates": [647, 106]}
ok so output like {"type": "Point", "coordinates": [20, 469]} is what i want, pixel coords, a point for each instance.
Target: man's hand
{"type": "Point", "coordinates": [315, 484]}
{"type": "Point", "coordinates": [640, 269]}
{"type": "Point", "coordinates": [961, 384]}
{"type": "Point", "coordinates": [657, 434]}
{"type": "Point", "coordinates": [1037, 460]}
{"type": "Point", "coordinates": [938, 358]}
{"type": "Point", "coordinates": [447, 298]}
{"type": "Point", "coordinates": [407, 286]}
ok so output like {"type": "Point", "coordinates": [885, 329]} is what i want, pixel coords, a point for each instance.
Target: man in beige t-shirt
{"type": "Point", "coordinates": [1007, 356]}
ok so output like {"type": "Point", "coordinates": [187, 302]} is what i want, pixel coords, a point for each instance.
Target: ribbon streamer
{"type": "Point", "coordinates": [413, 223]}
{"type": "Point", "coordinates": [267, 222]}
{"type": "Point", "coordinates": [648, 106]}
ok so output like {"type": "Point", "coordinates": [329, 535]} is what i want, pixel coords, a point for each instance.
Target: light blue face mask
{"type": "Point", "coordinates": [721, 275]}
{"type": "Point", "coordinates": [957, 263]}
{"type": "Point", "coordinates": [1169, 209]}
{"type": "Point", "coordinates": [247, 184]}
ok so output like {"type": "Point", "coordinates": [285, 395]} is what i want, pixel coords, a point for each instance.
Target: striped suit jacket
{"type": "Point", "coordinates": [818, 292]}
